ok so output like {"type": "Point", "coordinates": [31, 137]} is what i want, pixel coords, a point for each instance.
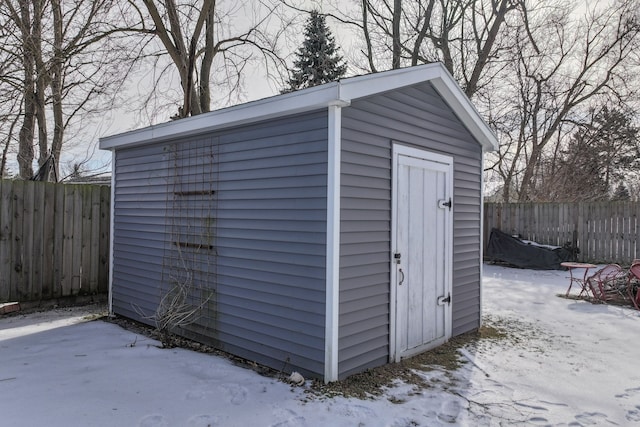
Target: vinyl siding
{"type": "Point", "coordinates": [261, 254]}
{"type": "Point", "coordinates": [415, 116]}
{"type": "Point", "coordinates": [140, 197]}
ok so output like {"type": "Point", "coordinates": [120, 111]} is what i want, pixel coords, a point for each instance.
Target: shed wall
{"type": "Point", "coordinates": [254, 246]}
{"type": "Point", "coordinates": [416, 116]}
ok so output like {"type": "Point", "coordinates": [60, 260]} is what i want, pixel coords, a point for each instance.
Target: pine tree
{"type": "Point", "coordinates": [621, 193]}
{"type": "Point", "coordinates": [601, 154]}
{"type": "Point", "coordinates": [318, 60]}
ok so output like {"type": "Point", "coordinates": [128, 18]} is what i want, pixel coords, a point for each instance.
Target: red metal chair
{"type": "Point", "coordinates": [608, 283]}
{"type": "Point", "coordinates": [633, 284]}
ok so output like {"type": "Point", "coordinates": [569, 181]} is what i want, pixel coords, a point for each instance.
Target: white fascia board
{"type": "Point", "coordinates": [251, 112]}
{"type": "Point", "coordinates": [466, 112]}
{"type": "Point", "coordinates": [371, 84]}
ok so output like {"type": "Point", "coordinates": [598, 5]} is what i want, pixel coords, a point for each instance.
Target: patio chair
{"type": "Point", "coordinates": [608, 283]}
{"type": "Point", "coordinates": [633, 284]}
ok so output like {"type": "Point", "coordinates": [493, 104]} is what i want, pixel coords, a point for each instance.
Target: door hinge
{"type": "Point", "coordinates": [444, 300]}
{"type": "Point", "coordinates": [445, 203]}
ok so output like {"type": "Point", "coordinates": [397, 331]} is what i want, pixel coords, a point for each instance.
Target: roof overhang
{"type": "Point", "coordinates": [336, 93]}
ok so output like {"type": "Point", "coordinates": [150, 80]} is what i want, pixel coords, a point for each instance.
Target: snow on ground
{"type": "Point", "coordinates": [567, 362]}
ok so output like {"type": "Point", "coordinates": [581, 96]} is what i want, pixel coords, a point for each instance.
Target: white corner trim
{"type": "Point", "coordinates": [112, 205]}
{"type": "Point", "coordinates": [481, 235]}
{"type": "Point", "coordinates": [332, 291]}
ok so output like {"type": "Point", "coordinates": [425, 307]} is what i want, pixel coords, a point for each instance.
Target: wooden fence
{"type": "Point", "coordinates": [54, 240]}
{"type": "Point", "coordinates": [605, 232]}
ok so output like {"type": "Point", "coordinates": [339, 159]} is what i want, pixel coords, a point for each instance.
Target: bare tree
{"type": "Point", "coordinates": [8, 124]}
{"type": "Point", "coordinates": [466, 36]}
{"type": "Point", "coordinates": [206, 37]}
{"type": "Point", "coordinates": [555, 64]}
{"type": "Point", "coordinates": [69, 63]}
{"type": "Point", "coordinates": [28, 23]}
{"type": "Point", "coordinates": [559, 67]}
{"type": "Point", "coordinates": [10, 93]}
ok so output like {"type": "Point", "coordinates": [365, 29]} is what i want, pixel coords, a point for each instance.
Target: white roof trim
{"type": "Point", "coordinates": [336, 93]}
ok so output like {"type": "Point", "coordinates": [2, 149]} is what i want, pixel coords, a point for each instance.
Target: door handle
{"type": "Point", "coordinates": [402, 278]}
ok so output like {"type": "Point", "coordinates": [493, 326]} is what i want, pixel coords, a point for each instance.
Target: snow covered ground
{"type": "Point", "coordinates": [566, 362]}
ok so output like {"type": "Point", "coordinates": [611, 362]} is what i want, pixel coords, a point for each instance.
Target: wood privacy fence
{"type": "Point", "coordinates": [54, 240]}
{"type": "Point", "coordinates": [605, 232]}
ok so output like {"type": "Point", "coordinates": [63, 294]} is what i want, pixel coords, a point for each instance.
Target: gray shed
{"type": "Point", "coordinates": [326, 231]}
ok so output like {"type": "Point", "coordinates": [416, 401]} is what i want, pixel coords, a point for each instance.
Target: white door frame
{"type": "Point", "coordinates": [398, 150]}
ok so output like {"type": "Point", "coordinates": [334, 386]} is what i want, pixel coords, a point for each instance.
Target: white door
{"type": "Point", "coordinates": [421, 251]}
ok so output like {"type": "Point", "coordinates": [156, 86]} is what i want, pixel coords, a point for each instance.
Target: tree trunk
{"type": "Point", "coordinates": [422, 34]}
{"type": "Point", "coordinates": [56, 86]}
{"type": "Point", "coordinates": [207, 61]}
{"type": "Point", "coordinates": [183, 57]}
{"type": "Point", "coordinates": [5, 149]}
{"type": "Point", "coordinates": [487, 48]}
{"type": "Point", "coordinates": [41, 81]}
{"type": "Point", "coordinates": [528, 176]}
{"type": "Point", "coordinates": [397, 43]}
{"type": "Point", "coordinates": [367, 35]}
{"type": "Point", "coordinates": [26, 136]}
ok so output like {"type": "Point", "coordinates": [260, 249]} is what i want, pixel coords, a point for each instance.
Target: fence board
{"type": "Point", "coordinates": [84, 245]}
{"type": "Point", "coordinates": [77, 243]}
{"type": "Point", "coordinates": [35, 285]}
{"type": "Point", "coordinates": [598, 235]}
{"type": "Point", "coordinates": [618, 230]}
{"type": "Point", "coordinates": [48, 245]}
{"type": "Point", "coordinates": [603, 231]}
{"type": "Point", "coordinates": [603, 235]}
{"type": "Point", "coordinates": [105, 232]}
{"type": "Point", "coordinates": [592, 230]}
{"type": "Point", "coordinates": [17, 258]}
{"type": "Point", "coordinates": [626, 231]}
{"type": "Point", "coordinates": [553, 227]}
{"type": "Point", "coordinates": [58, 241]}
{"type": "Point", "coordinates": [54, 240]}
{"type": "Point", "coordinates": [67, 249]}
{"type": "Point", "coordinates": [27, 241]}
{"type": "Point", "coordinates": [5, 241]}
{"type": "Point", "coordinates": [94, 242]}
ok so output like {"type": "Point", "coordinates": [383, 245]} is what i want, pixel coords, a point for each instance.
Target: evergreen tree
{"type": "Point", "coordinates": [318, 60]}
{"type": "Point", "coordinates": [602, 153]}
{"type": "Point", "coordinates": [621, 193]}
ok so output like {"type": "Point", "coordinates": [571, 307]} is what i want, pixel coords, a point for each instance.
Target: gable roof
{"type": "Point", "coordinates": [336, 93]}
